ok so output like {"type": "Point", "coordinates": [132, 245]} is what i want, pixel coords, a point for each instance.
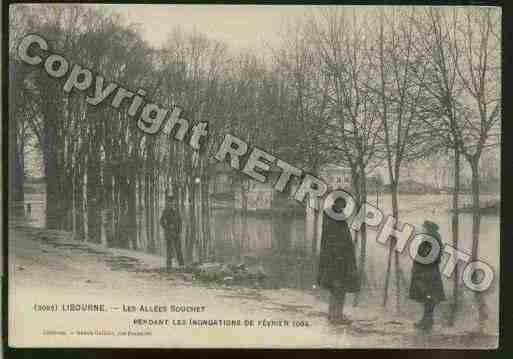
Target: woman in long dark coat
{"type": "Point", "coordinates": [337, 264]}
{"type": "Point", "coordinates": [426, 281]}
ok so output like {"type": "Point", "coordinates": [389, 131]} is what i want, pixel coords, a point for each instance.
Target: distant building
{"type": "Point", "coordinates": [336, 177]}
{"type": "Point", "coordinates": [375, 184]}
{"type": "Point", "coordinates": [230, 188]}
{"type": "Point", "coordinates": [413, 187]}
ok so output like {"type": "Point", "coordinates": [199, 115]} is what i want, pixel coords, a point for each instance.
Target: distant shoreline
{"type": "Point", "coordinates": [490, 208]}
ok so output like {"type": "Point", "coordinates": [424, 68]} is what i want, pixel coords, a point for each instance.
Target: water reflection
{"type": "Point", "coordinates": [276, 242]}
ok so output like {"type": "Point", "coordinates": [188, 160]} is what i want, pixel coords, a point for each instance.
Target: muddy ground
{"type": "Point", "coordinates": [47, 267]}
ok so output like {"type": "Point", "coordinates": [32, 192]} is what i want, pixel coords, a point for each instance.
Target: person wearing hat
{"type": "Point", "coordinates": [337, 263]}
{"type": "Point", "coordinates": [426, 282]}
{"type": "Point", "coordinates": [172, 224]}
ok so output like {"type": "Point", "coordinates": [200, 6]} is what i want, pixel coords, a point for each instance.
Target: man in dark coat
{"type": "Point", "coordinates": [426, 282]}
{"type": "Point", "coordinates": [337, 263]}
{"type": "Point", "coordinates": [172, 224]}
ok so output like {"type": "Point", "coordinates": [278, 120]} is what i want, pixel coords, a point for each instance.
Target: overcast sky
{"type": "Point", "coordinates": [240, 26]}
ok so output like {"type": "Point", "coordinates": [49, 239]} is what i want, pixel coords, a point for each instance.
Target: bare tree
{"type": "Point", "coordinates": [341, 40]}
{"type": "Point", "coordinates": [477, 58]}
{"type": "Point", "coordinates": [306, 141]}
{"type": "Point", "coordinates": [400, 96]}
{"type": "Point", "coordinates": [437, 39]}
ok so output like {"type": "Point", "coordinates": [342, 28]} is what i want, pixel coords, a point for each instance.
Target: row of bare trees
{"type": "Point", "coordinates": [394, 86]}
{"type": "Point", "coordinates": [363, 88]}
{"type": "Point", "coordinates": [105, 180]}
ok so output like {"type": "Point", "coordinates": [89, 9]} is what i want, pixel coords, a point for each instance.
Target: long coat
{"type": "Point", "coordinates": [171, 222]}
{"type": "Point", "coordinates": [337, 262]}
{"type": "Point", "coordinates": [426, 281]}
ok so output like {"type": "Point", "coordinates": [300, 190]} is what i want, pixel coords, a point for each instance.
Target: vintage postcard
{"type": "Point", "coordinates": [243, 176]}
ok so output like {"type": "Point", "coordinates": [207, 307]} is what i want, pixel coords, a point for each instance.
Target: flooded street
{"type": "Point", "coordinates": [194, 157]}
{"type": "Point", "coordinates": [48, 268]}
{"type": "Point", "coordinates": [278, 246]}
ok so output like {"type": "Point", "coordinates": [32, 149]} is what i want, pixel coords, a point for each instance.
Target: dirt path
{"type": "Point", "coordinates": [49, 268]}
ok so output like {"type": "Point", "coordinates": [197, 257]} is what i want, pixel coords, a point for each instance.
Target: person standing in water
{"type": "Point", "coordinates": [426, 282]}
{"type": "Point", "coordinates": [337, 264]}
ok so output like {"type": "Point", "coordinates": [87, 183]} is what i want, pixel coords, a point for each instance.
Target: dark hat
{"type": "Point", "coordinates": [430, 226]}
{"type": "Point", "coordinates": [339, 203]}
{"type": "Point", "coordinates": [340, 200]}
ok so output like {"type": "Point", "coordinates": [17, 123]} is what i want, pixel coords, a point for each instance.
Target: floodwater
{"type": "Point", "coordinates": [278, 245]}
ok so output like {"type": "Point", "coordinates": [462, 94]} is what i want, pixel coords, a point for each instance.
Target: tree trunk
{"type": "Point", "coordinates": [476, 217]}
{"type": "Point", "coordinates": [395, 213]}
{"type": "Point", "coordinates": [16, 170]}
{"type": "Point", "coordinates": [191, 234]}
{"type": "Point", "coordinates": [244, 213]}
{"type": "Point", "coordinates": [108, 196]}
{"type": "Point", "coordinates": [93, 194]}
{"type": "Point", "coordinates": [118, 200]}
{"type": "Point", "coordinates": [315, 234]}
{"type": "Point", "coordinates": [363, 235]}
{"type": "Point", "coordinates": [206, 225]}
{"type": "Point", "coordinates": [78, 201]}
{"type": "Point", "coordinates": [131, 240]}
{"type": "Point", "coordinates": [67, 201]}
{"type": "Point", "coordinates": [147, 209]}
{"type": "Point", "coordinates": [455, 233]}
{"type": "Point", "coordinates": [16, 174]}
{"type": "Point", "coordinates": [476, 223]}
{"type": "Point", "coordinates": [52, 173]}
{"type": "Point", "coordinates": [121, 226]}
